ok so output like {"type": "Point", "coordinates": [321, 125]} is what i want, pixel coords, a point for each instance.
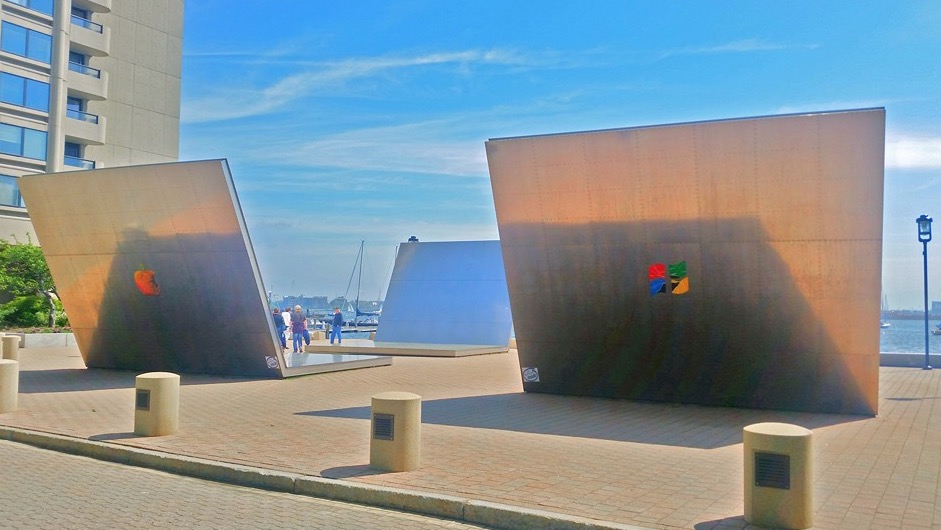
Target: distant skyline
{"type": "Point", "coordinates": [367, 121]}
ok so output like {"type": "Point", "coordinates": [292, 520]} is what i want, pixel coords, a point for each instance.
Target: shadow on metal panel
{"type": "Point", "coordinates": [732, 263]}
{"type": "Point", "coordinates": [155, 269]}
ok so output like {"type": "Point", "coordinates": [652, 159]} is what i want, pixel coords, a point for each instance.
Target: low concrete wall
{"type": "Point", "coordinates": [46, 340]}
{"type": "Point", "coordinates": [914, 360]}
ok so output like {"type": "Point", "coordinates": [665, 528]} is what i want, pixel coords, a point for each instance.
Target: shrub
{"type": "Point", "coordinates": [30, 311]}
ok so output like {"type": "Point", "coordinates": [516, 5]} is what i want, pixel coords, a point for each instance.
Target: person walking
{"type": "Point", "coordinates": [298, 322]}
{"type": "Point", "coordinates": [306, 332]}
{"type": "Point", "coordinates": [337, 330]}
{"type": "Point", "coordinates": [279, 325]}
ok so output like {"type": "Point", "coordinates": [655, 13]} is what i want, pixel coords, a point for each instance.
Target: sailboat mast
{"type": "Point", "coordinates": [359, 281]}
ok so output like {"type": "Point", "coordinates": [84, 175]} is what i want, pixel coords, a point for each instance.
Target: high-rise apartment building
{"type": "Point", "coordinates": [85, 84]}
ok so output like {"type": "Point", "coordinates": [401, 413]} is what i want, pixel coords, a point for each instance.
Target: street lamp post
{"type": "Point", "coordinates": [924, 236]}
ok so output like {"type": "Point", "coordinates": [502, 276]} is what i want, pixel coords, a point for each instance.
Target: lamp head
{"type": "Point", "coordinates": [924, 228]}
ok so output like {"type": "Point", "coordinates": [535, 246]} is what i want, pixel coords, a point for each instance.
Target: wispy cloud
{"type": "Point", "coordinates": [426, 147]}
{"type": "Point", "coordinates": [738, 46]}
{"type": "Point", "coordinates": [243, 102]}
{"type": "Point", "coordinates": [911, 152]}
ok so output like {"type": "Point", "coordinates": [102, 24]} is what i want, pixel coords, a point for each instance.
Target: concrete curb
{"type": "Point", "coordinates": [467, 510]}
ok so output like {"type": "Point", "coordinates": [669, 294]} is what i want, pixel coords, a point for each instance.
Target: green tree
{"type": "Point", "coordinates": [23, 272]}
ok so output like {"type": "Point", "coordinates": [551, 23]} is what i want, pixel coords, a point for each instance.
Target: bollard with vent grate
{"type": "Point", "coordinates": [778, 475]}
{"type": "Point", "coordinates": [395, 434]}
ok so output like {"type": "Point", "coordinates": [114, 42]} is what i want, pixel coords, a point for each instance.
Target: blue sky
{"type": "Point", "coordinates": [349, 121]}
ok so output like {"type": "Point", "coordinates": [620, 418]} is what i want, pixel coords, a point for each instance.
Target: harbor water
{"type": "Point", "coordinates": [904, 336]}
{"type": "Point", "coordinates": [908, 336]}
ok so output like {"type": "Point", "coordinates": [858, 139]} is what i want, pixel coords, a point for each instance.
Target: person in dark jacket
{"type": "Point", "coordinates": [298, 323]}
{"type": "Point", "coordinates": [337, 330]}
{"type": "Point", "coordinates": [279, 326]}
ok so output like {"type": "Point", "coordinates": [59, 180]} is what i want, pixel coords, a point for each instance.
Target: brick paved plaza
{"type": "Point", "coordinates": [651, 465]}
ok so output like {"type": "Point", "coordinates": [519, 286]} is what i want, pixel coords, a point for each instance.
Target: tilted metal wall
{"type": "Point", "coordinates": [778, 221]}
{"type": "Point", "coordinates": [449, 292]}
{"type": "Point", "coordinates": [182, 221]}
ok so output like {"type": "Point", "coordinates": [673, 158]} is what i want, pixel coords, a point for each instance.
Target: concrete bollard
{"type": "Point", "coordinates": [395, 441]}
{"type": "Point", "coordinates": [9, 384]}
{"type": "Point", "coordinates": [157, 404]}
{"type": "Point", "coordinates": [11, 347]}
{"type": "Point", "coordinates": [778, 475]}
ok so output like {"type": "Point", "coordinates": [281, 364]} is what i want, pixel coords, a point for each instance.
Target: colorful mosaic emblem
{"type": "Point", "coordinates": [679, 281]}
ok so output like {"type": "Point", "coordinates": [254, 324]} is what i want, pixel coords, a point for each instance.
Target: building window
{"type": "Point", "coordinates": [79, 63]}
{"type": "Point", "coordinates": [77, 58]}
{"type": "Point", "coordinates": [25, 42]}
{"type": "Point", "coordinates": [75, 105]}
{"type": "Point", "coordinates": [75, 109]}
{"type": "Point", "coordinates": [10, 192]}
{"type": "Point", "coordinates": [43, 6]}
{"type": "Point", "coordinates": [73, 150]}
{"type": "Point", "coordinates": [82, 18]}
{"type": "Point", "coordinates": [20, 141]}
{"type": "Point", "coordinates": [24, 92]}
{"type": "Point", "coordinates": [73, 156]}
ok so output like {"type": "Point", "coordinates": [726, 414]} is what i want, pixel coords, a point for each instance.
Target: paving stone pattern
{"type": "Point", "coordinates": [44, 489]}
{"type": "Point", "coordinates": [646, 464]}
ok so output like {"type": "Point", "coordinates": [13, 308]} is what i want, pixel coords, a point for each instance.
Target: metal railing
{"type": "Point", "coordinates": [43, 6]}
{"type": "Point", "coordinates": [87, 24]}
{"type": "Point", "coordinates": [75, 161]}
{"type": "Point", "coordinates": [87, 70]}
{"type": "Point", "coordinates": [81, 116]}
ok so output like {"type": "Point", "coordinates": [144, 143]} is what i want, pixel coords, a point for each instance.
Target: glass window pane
{"type": "Point", "coordinates": [39, 46]}
{"type": "Point", "coordinates": [11, 139]}
{"type": "Point", "coordinates": [10, 191]}
{"type": "Point", "coordinates": [11, 89]}
{"type": "Point", "coordinates": [34, 144]}
{"type": "Point", "coordinates": [44, 6]}
{"type": "Point", "coordinates": [77, 58]}
{"type": "Point", "coordinates": [13, 38]}
{"type": "Point", "coordinates": [37, 95]}
{"type": "Point", "coordinates": [73, 149]}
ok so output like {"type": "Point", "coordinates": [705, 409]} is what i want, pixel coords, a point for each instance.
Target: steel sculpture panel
{"type": "Point", "coordinates": [733, 262]}
{"type": "Point", "coordinates": [155, 268]}
{"type": "Point", "coordinates": [451, 292]}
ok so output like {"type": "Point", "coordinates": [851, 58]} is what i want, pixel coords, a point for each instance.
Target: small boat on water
{"type": "Point", "coordinates": [883, 323]}
{"type": "Point", "coordinates": [936, 330]}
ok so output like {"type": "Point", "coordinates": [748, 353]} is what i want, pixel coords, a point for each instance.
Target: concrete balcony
{"type": "Point", "coordinates": [86, 82]}
{"type": "Point", "coordinates": [84, 128]}
{"type": "Point", "coordinates": [90, 38]}
{"type": "Point", "coordinates": [95, 6]}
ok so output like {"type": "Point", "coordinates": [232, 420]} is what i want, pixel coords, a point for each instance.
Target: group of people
{"type": "Point", "coordinates": [296, 321]}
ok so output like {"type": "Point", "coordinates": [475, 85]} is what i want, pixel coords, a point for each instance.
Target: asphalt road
{"type": "Point", "coordinates": [46, 489]}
